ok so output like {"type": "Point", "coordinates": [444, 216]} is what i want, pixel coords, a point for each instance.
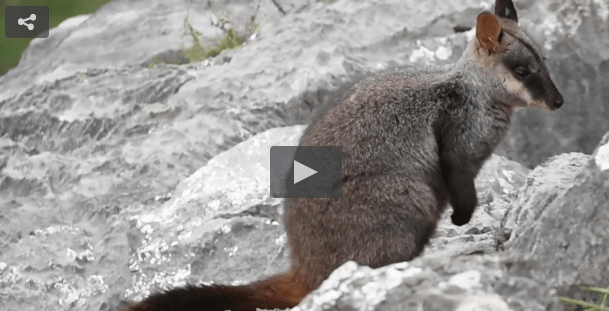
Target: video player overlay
{"type": "Point", "coordinates": [306, 172]}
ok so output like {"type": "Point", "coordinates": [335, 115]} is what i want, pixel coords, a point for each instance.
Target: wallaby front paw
{"type": "Point", "coordinates": [459, 219]}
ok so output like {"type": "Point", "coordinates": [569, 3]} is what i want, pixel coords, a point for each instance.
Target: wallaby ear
{"type": "Point", "coordinates": [505, 8]}
{"type": "Point", "coordinates": [488, 31]}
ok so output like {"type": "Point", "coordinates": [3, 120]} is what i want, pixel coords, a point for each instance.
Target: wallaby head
{"type": "Point", "coordinates": [506, 54]}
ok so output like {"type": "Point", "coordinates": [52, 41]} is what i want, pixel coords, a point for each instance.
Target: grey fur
{"type": "Point", "coordinates": [413, 140]}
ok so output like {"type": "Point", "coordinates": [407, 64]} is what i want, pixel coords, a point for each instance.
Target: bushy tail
{"type": "Point", "coordinates": [281, 291]}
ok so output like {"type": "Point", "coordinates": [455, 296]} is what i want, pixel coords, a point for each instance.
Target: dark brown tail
{"type": "Point", "coordinates": [281, 291]}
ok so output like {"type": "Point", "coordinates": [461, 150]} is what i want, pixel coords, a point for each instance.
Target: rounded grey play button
{"type": "Point", "coordinates": [302, 171]}
{"type": "Point", "coordinates": [306, 172]}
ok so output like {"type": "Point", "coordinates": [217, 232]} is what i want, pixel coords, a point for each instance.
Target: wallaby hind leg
{"type": "Point", "coordinates": [393, 247]}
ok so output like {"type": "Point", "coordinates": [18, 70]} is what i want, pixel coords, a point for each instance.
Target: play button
{"type": "Point", "coordinates": [306, 172]}
{"type": "Point", "coordinates": [301, 172]}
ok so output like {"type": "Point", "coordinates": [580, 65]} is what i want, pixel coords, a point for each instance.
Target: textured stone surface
{"type": "Point", "coordinates": [341, 39]}
{"type": "Point", "coordinates": [221, 226]}
{"type": "Point", "coordinates": [568, 243]}
{"type": "Point", "coordinates": [93, 141]}
{"type": "Point", "coordinates": [543, 185]}
{"type": "Point", "coordinates": [497, 185]}
{"type": "Point", "coordinates": [464, 283]}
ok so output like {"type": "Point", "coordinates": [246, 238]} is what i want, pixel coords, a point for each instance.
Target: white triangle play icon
{"type": "Point", "coordinates": [301, 171]}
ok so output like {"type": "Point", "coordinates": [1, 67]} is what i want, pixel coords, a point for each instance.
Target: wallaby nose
{"type": "Point", "coordinates": [559, 102]}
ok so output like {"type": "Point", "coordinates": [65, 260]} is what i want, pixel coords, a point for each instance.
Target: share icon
{"type": "Point", "coordinates": [22, 21]}
{"type": "Point", "coordinates": [26, 21]}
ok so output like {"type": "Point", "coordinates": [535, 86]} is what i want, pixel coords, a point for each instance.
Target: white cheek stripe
{"type": "Point", "coordinates": [519, 90]}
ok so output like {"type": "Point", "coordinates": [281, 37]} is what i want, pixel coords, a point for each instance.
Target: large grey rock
{"type": "Point", "coordinates": [543, 185]}
{"type": "Point", "coordinates": [126, 33]}
{"type": "Point", "coordinates": [221, 226]}
{"type": "Point", "coordinates": [341, 39]}
{"type": "Point", "coordinates": [464, 283]}
{"type": "Point", "coordinates": [569, 243]}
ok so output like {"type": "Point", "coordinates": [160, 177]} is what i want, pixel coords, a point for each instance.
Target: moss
{"type": "Point", "coordinates": [230, 41]}
{"type": "Point", "coordinates": [255, 25]}
{"type": "Point", "coordinates": [154, 61]}
{"type": "Point", "coordinates": [196, 53]}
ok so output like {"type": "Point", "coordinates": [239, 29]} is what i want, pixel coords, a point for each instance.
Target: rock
{"type": "Point", "coordinates": [236, 250]}
{"type": "Point", "coordinates": [497, 185]}
{"type": "Point", "coordinates": [349, 38]}
{"type": "Point", "coordinates": [221, 226]}
{"type": "Point", "coordinates": [544, 185]}
{"type": "Point", "coordinates": [601, 154]}
{"type": "Point", "coordinates": [117, 25]}
{"type": "Point", "coordinates": [567, 245]}
{"type": "Point", "coordinates": [461, 283]}
{"type": "Point", "coordinates": [61, 265]}
{"type": "Point", "coordinates": [233, 181]}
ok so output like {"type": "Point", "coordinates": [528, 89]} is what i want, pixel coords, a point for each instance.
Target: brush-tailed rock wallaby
{"type": "Point", "coordinates": [413, 140]}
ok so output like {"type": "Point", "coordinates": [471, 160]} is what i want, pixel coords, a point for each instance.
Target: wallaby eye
{"type": "Point", "coordinates": [522, 72]}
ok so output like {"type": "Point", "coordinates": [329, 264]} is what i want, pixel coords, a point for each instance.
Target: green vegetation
{"type": "Point", "coordinates": [12, 49]}
{"type": "Point", "coordinates": [255, 26]}
{"type": "Point", "coordinates": [197, 53]}
{"type": "Point", "coordinates": [60, 10]}
{"type": "Point", "coordinates": [154, 61]}
{"type": "Point", "coordinates": [604, 292]}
